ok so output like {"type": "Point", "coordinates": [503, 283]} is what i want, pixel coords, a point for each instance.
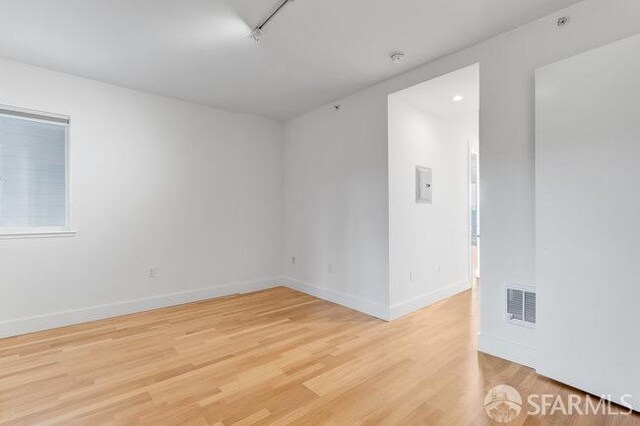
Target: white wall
{"type": "Point", "coordinates": [347, 152]}
{"type": "Point", "coordinates": [432, 240]}
{"type": "Point", "coordinates": [336, 206]}
{"type": "Point", "coordinates": [587, 210]}
{"type": "Point", "coordinates": [193, 191]}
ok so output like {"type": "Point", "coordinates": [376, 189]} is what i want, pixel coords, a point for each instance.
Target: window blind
{"type": "Point", "coordinates": [33, 186]}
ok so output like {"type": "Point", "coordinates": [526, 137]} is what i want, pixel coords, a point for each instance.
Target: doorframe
{"type": "Point", "coordinates": [470, 152]}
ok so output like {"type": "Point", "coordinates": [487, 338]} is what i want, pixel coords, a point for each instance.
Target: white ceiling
{"type": "Point", "coordinates": [316, 51]}
{"type": "Point", "coordinates": [436, 98]}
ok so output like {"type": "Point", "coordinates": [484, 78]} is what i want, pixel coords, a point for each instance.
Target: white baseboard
{"type": "Point", "coordinates": [353, 302]}
{"type": "Point", "coordinates": [401, 309]}
{"type": "Point", "coordinates": [507, 349]}
{"type": "Point", "coordinates": [258, 285]}
{"type": "Point", "coordinates": [489, 344]}
{"type": "Point", "coordinates": [77, 316]}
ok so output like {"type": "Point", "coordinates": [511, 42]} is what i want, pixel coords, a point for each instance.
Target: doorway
{"type": "Point", "coordinates": [434, 244]}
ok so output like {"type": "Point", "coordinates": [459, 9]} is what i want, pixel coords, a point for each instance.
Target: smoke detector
{"type": "Point", "coordinates": [562, 21]}
{"type": "Point", "coordinates": [397, 57]}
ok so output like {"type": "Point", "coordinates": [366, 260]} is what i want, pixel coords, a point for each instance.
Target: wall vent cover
{"type": "Point", "coordinates": [521, 305]}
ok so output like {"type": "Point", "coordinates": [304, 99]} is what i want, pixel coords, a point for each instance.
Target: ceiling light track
{"type": "Point", "coordinates": [257, 31]}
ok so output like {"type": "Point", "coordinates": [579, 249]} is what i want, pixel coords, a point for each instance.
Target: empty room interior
{"type": "Point", "coordinates": [336, 212]}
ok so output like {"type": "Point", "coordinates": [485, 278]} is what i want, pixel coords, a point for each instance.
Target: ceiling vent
{"type": "Point", "coordinates": [520, 306]}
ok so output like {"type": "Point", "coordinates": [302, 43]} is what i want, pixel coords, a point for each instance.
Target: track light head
{"type": "Point", "coordinates": [255, 35]}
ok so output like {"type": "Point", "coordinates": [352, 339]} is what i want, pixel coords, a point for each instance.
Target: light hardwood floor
{"type": "Point", "coordinates": [272, 357]}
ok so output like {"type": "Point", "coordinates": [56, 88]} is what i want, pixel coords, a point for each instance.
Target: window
{"type": "Point", "coordinates": [34, 187]}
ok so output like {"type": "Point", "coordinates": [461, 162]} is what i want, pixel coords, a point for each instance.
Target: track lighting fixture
{"type": "Point", "coordinates": [258, 30]}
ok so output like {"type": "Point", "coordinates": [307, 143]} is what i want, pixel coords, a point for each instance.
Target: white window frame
{"type": "Point", "coordinates": [49, 118]}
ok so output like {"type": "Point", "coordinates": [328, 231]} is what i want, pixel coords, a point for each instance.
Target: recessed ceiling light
{"type": "Point", "coordinates": [397, 57]}
{"type": "Point", "coordinates": [457, 98]}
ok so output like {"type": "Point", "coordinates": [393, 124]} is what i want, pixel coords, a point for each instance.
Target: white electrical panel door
{"type": "Point", "coordinates": [587, 156]}
{"type": "Point", "coordinates": [424, 185]}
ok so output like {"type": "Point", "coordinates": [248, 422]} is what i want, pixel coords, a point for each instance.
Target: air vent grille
{"type": "Point", "coordinates": [515, 304]}
{"type": "Point", "coordinates": [530, 307]}
{"type": "Point", "coordinates": [521, 305]}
